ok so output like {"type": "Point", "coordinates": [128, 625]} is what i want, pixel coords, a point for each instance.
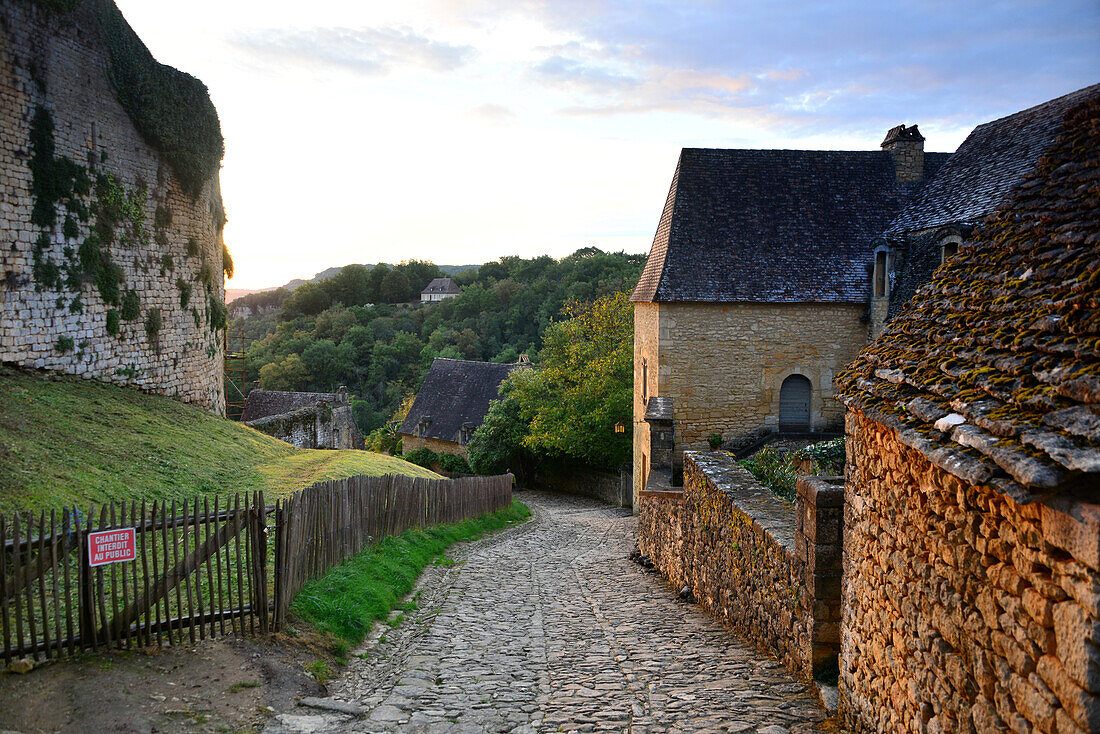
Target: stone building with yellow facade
{"type": "Point", "coordinates": [755, 293]}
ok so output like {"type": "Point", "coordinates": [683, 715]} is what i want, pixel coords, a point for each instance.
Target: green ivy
{"type": "Point", "coordinates": [113, 322]}
{"type": "Point", "coordinates": [172, 110]}
{"type": "Point", "coordinates": [167, 265]}
{"type": "Point", "coordinates": [153, 323]}
{"type": "Point", "coordinates": [185, 292]}
{"type": "Point", "coordinates": [65, 344]}
{"type": "Point", "coordinates": [217, 312]}
{"type": "Point", "coordinates": [53, 180]}
{"type": "Point", "coordinates": [131, 306]}
{"type": "Point", "coordinates": [192, 247]}
{"type": "Point", "coordinates": [227, 261]}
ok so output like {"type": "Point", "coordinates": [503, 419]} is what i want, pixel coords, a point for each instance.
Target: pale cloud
{"type": "Point", "coordinates": [493, 112]}
{"type": "Point", "coordinates": [363, 50]}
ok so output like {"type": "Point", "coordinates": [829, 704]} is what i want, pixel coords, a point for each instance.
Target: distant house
{"type": "Point", "coordinates": [452, 404]}
{"type": "Point", "coordinates": [971, 533]}
{"type": "Point", "coordinates": [975, 181]}
{"type": "Point", "coordinates": [755, 291]}
{"type": "Point", "coordinates": [440, 289]}
{"type": "Point", "coordinates": [308, 420]}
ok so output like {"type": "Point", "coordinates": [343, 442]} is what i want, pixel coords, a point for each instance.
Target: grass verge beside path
{"type": "Point", "coordinates": [65, 441]}
{"type": "Point", "coordinates": [367, 587]}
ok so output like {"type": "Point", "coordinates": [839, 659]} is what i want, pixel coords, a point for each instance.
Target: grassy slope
{"type": "Point", "coordinates": [67, 440]}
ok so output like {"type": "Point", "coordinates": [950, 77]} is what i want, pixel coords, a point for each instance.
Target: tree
{"type": "Point", "coordinates": [395, 288]}
{"type": "Point", "coordinates": [584, 385]}
{"type": "Point", "coordinates": [351, 286]}
{"type": "Point", "coordinates": [497, 444]}
{"type": "Point", "coordinates": [308, 299]}
{"type": "Point", "coordinates": [289, 374]}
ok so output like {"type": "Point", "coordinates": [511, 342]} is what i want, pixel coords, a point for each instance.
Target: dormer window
{"type": "Point", "coordinates": [948, 248]}
{"type": "Point", "coordinates": [465, 433]}
{"type": "Point", "coordinates": [881, 281]}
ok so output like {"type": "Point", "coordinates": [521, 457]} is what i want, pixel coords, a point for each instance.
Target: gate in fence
{"type": "Point", "coordinates": [130, 575]}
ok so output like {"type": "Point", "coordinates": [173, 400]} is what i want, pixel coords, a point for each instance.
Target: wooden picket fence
{"type": "Point", "coordinates": [204, 567]}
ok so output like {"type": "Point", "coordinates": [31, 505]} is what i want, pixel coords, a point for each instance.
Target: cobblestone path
{"type": "Point", "coordinates": [550, 627]}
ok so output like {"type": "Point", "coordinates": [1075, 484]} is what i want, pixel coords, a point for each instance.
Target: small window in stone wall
{"type": "Point", "coordinates": [880, 274]}
{"type": "Point", "coordinates": [645, 379]}
{"type": "Point", "coordinates": [947, 249]}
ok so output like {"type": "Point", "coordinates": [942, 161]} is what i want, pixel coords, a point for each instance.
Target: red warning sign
{"type": "Point", "coordinates": [112, 546]}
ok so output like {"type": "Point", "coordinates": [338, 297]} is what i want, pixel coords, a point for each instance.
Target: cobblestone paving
{"type": "Point", "coordinates": [550, 627]}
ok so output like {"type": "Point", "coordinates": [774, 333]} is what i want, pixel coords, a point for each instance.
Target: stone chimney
{"type": "Point", "coordinates": [906, 145]}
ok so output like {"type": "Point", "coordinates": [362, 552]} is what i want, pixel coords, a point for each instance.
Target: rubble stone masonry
{"type": "Point", "coordinates": [766, 567]}
{"type": "Point", "coordinates": [962, 610]}
{"type": "Point", "coordinates": [55, 64]}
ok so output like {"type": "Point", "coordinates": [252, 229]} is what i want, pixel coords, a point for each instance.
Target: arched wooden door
{"type": "Point", "coordinates": [794, 404]}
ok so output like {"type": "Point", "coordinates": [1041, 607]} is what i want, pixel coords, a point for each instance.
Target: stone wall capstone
{"type": "Point", "coordinates": [963, 610]}
{"type": "Point", "coordinates": [118, 277]}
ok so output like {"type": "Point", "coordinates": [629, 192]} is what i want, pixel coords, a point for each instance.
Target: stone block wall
{"type": "Point", "coordinates": [962, 610]}
{"type": "Point", "coordinates": [748, 559]}
{"type": "Point", "coordinates": [614, 489]}
{"type": "Point", "coordinates": [411, 443]}
{"type": "Point", "coordinates": [314, 427]}
{"type": "Point", "coordinates": [723, 365]}
{"type": "Point", "coordinates": [53, 70]}
{"type": "Point", "coordinates": [818, 543]}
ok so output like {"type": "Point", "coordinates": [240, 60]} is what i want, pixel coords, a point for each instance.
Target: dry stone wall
{"type": "Point", "coordinates": [962, 610]}
{"type": "Point", "coordinates": [411, 443]}
{"type": "Point", "coordinates": [766, 567]}
{"type": "Point", "coordinates": [156, 328]}
{"type": "Point", "coordinates": [314, 427]}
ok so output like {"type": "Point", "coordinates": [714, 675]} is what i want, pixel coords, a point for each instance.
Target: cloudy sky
{"type": "Point", "coordinates": [462, 130]}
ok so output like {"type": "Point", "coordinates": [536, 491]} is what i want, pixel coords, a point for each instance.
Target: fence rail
{"type": "Point", "coordinates": [201, 568]}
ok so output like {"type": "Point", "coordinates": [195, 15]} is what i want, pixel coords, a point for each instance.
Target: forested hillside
{"type": "Point", "coordinates": [357, 329]}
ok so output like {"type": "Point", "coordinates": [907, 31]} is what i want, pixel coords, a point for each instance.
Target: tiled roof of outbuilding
{"type": "Point", "coordinates": [454, 393]}
{"type": "Point", "coordinates": [992, 160]}
{"type": "Point", "coordinates": [993, 369]}
{"type": "Point", "coordinates": [773, 226]}
{"type": "Point", "coordinates": [263, 403]}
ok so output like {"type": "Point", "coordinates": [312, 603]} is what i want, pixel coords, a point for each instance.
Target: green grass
{"type": "Point", "coordinates": [367, 587]}
{"type": "Point", "coordinates": [66, 441]}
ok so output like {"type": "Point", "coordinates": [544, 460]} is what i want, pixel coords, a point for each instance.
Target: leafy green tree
{"type": "Point", "coordinates": [351, 286]}
{"type": "Point", "coordinates": [395, 287]}
{"type": "Point", "coordinates": [583, 386]}
{"type": "Point", "coordinates": [289, 374]}
{"type": "Point", "coordinates": [308, 299]}
{"type": "Point", "coordinates": [497, 444]}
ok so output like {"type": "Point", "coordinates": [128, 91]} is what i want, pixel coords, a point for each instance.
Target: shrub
{"type": "Point", "coordinates": [131, 306]}
{"type": "Point", "coordinates": [454, 463]}
{"type": "Point", "coordinates": [423, 456]}
{"type": "Point", "coordinates": [773, 468]}
{"type": "Point", "coordinates": [827, 456]}
{"type": "Point", "coordinates": [715, 441]}
{"type": "Point", "coordinates": [64, 344]}
{"type": "Point", "coordinates": [113, 322]}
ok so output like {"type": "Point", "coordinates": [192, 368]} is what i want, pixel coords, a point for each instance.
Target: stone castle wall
{"type": "Point", "coordinates": [962, 610]}
{"type": "Point", "coordinates": [724, 365]}
{"type": "Point", "coordinates": [53, 71]}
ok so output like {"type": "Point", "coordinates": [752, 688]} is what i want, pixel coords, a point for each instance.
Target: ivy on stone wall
{"type": "Point", "coordinates": [171, 109]}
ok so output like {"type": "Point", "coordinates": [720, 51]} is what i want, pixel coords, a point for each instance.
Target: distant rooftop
{"type": "Point", "coordinates": [455, 393]}
{"type": "Point", "coordinates": [445, 286]}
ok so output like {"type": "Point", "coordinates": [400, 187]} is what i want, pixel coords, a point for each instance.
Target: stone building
{"type": "Point", "coordinates": [110, 208]}
{"type": "Point", "coordinates": [451, 404]}
{"type": "Point", "coordinates": [439, 289]}
{"type": "Point", "coordinates": [308, 420]}
{"type": "Point", "coordinates": [755, 292]}
{"type": "Point", "coordinates": [971, 573]}
{"type": "Point", "coordinates": [974, 182]}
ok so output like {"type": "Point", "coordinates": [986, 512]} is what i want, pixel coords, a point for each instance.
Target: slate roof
{"type": "Point", "coordinates": [455, 392]}
{"type": "Point", "coordinates": [774, 226]}
{"type": "Point", "coordinates": [263, 403]}
{"type": "Point", "coordinates": [992, 160]}
{"type": "Point", "coordinates": [446, 286]}
{"type": "Point", "coordinates": [993, 370]}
